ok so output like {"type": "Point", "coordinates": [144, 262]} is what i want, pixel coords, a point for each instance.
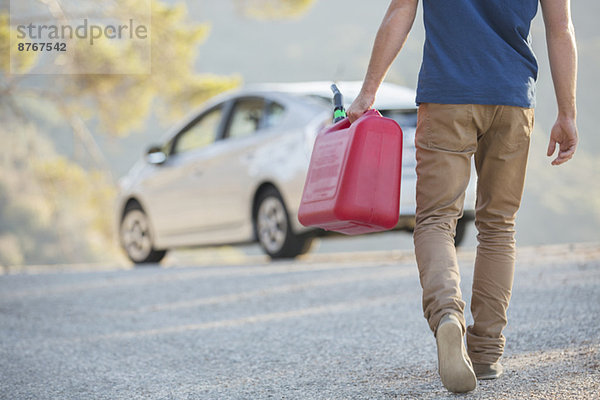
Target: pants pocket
{"type": "Point", "coordinates": [515, 127]}
{"type": "Point", "coordinates": [448, 127]}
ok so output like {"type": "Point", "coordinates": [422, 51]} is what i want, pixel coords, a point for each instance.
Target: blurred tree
{"type": "Point", "coordinates": [121, 103]}
{"type": "Point", "coordinates": [52, 209]}
{"type": "Point", "coordinates": [24, 60]}
{"type": "Point", "coordinates": [273, 9]}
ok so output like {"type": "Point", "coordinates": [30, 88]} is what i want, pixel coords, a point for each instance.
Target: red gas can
{"type": "Point", "coordinates": [353, 180]}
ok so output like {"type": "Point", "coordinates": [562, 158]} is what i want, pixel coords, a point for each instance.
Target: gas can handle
{"type": "Point", "coordinates": [371, 111]}
{"type": "Point", "coordinates": [344, 123]}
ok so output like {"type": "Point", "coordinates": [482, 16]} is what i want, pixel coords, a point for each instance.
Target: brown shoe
{"type": "Point", "coordinates": [453, 362]}
{"type": "Point", "coordinates": [488, 371]}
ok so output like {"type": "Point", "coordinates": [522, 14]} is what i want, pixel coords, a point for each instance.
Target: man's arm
{"type": "Point", "coordinates": [562, 53]}
{"type": "Point", "coordinates": [390, 38]}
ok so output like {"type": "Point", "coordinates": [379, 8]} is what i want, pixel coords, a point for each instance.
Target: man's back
{"type": "Point", "coordinates": [478, 52]}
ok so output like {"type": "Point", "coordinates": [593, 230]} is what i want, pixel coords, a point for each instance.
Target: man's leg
{"type": "Point", "coordinates": [501, 161]}
{"type": "Point", "coordinates": [446, 139]}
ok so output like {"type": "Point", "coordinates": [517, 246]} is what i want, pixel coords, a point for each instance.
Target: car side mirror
{"type": "Point", "coordinates": [155, 155]}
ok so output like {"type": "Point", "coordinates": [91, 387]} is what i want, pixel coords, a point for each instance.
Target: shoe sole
{"type": "Point", "coordinates": [457, 375]}
{"type": "Point", "coordinates": [487, 377]}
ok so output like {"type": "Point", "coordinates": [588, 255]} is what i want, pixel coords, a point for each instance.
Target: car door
{"type": "Point", "coordinates": [178, 193]}
{"type": "Point", "coordinates": [245, 131]}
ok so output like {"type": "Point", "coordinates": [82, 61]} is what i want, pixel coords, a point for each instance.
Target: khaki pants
{"type": "Point", "coordinates": [447, 136]}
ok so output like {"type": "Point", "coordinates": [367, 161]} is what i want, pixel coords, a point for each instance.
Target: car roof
{"type": "Point", "coordinates": [389, 95]}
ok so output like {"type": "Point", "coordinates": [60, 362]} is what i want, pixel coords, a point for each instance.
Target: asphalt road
{"type": "Point", "coordinates": [326, 327]}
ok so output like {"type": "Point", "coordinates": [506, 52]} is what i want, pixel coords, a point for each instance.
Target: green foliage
{"type": "Point", "coordinates": [273, 9]}
{"type": "Point", "coordinates": [51, 210]}
{"type": "Point", "coordinates": [22, 61]}
{"type": "Point", "coordinates": [121, 103]}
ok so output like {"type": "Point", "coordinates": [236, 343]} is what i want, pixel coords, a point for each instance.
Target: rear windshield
{"type": "Point", "coordinates": [321, 100]}
{"type": "Point", "coordinates": [404, 118]}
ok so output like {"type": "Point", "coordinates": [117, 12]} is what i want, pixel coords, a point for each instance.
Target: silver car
{"type": "Point", "coordinates": [234, 172]}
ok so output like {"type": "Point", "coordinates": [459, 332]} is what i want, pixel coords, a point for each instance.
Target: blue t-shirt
{"type": "Point", "coordinates": [478, 52]}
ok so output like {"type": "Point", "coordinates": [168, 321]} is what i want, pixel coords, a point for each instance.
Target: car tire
{"type": "Point", "coordinates": [136, 238]}
{"type": "Point", "coordinates": [461, 227]}
{"type": "Point", "coordinates": [273, 229]}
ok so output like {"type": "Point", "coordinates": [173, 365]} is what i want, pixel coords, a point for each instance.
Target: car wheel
{"type": "Point", "coordinates": [136, 238]}
{"type": "Point", "coordinates": [273, 228]}
{"type": "Point", "coordinates": [461, 227]}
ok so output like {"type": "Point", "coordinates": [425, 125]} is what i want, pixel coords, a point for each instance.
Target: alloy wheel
{"type": "Point", "coordinates": [272, 224]}
{"type": "Point", "coordinates": [135, 234]}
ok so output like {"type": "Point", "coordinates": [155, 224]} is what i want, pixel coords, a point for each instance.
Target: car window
{"type": "Point", "coordinates": [274, 115]}
{"type": "Point", "coordinates": [202, 133]}
{"type": "Point", "coordinates": [246, 117]}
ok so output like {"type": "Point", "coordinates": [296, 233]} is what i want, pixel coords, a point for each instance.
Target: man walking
{"type": "Point", "coordinates": [476, 94]}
